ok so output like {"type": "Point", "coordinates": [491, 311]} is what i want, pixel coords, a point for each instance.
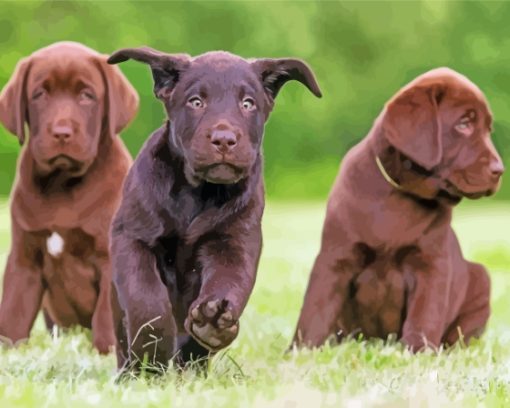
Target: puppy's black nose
{"type": "Point", "coordinates": [62, 133]}
{"type": "Point", "coordinates": [224, 140]}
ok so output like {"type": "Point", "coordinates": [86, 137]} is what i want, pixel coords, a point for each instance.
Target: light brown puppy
{"type": "Point", "coordinates": [68, 186]}
{"type": "Point", "coordinates": [390, 261]}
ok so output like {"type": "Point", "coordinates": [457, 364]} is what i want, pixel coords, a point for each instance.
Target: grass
{"type": "Point", "coordinates": [62, 370]}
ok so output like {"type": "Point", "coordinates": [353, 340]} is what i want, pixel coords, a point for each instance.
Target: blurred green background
{"type": "Point", "coordinates": [362, 53]}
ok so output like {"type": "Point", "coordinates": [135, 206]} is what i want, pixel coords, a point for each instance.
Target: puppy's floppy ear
{"type": "Point", "coordinates": [274, 73]}
{"type": "Point", "coordinates": [121, 99]}
{"type": "Point", "coordinates": [411, 124]}
{"type": "Point", "coordinates": [165, 67]}
{"type": "Point", "coordinates": [13, 101]}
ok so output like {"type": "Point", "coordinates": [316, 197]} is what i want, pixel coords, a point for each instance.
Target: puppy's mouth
{"type": "Point", "coordinates": [65, 163]}
{"type": "Point", "coordinates": [456, 193]}
{"type": "Point", "coordinates": [474, 196]}
{"type": "Point", "coordinates": [221, 173]}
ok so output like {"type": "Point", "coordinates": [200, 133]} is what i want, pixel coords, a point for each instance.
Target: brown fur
{"type": "Point", "coordinates": [69, 181]}
{"type": "Point", "coordinates": [390, 261]}
{"type": "Point", "coordinates": [187, 237]}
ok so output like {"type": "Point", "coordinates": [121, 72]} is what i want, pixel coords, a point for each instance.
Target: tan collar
{"type": "Point", "coordinates": [386, 175]}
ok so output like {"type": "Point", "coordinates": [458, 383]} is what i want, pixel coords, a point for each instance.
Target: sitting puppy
{"type": "Point", "coordinates": [68, 187]}
{"type": "Point", "coordinates": [390, 261]}
{"type": "Point", "coordinates": [186, 239]}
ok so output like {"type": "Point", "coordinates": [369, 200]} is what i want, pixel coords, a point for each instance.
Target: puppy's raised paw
{"type": "Point", "coordinates": [212, 324]}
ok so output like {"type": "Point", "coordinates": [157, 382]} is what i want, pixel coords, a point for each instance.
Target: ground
{"type": "Point", "coordinates": [63, 370]}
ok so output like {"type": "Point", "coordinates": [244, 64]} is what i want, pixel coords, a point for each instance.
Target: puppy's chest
{"type": "Point", "coordinates": [70, 270]}
{"type": "Point", "coordinates": [183, 211]}
{"type": "Point", "coordinates": [380, 261]}
{"type": "Point", "coordinates": [59, 243]}
{"type": "Point", "coordinates": [395, 224]}
{"type": "Point", "coordinates": [188, 205]}
{"type": "Point", "coordinates": [379, 290]}
{"type": "Point", "coordinates": [55, 244]}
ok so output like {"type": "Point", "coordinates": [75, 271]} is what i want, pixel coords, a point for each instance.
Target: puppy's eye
{"type": "Point", "coordinates": [86, 97]}
{"type": "Point", "coordinates": [39, 94]}
{"type": "Point", "coordinates": [465, 127]}
{"type": "Point", "coordinates": [195, 102]}
{"type": "Point", "coordinates": [248, 104]}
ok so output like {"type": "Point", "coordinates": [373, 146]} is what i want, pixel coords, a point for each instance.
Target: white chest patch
{"type": "Point", "coordinates": [55, 245]}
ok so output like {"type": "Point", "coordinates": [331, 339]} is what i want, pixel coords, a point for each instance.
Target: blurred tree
{"type": "Point", "coordinates": [362, 53]}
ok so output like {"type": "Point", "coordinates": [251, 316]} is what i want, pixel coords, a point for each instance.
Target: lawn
{"type": "Point", "coordinates": [63, 370]}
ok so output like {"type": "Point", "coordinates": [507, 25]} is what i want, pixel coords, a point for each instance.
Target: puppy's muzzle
{"type": "Point", "coordinates": [62, 134]}
{"type": "Point", "coordinates": [224, 141]}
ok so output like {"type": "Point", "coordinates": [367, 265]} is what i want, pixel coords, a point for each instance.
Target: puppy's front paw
{"type": "Point", "coordinates": [104, 344]}
{"type": "Point", "coordinates": [212, 324]}
{"type": "Point", "coordinates": [417, 342]}
{"type": "Point", "coordinates": [6, 341]}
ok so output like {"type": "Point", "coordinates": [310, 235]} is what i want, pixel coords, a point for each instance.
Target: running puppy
{"type": "Point", "coordinates": [186, 240]}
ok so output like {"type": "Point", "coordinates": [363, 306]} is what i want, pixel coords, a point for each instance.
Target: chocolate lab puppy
{"type": "Point", "coordinates": [390, 261]}
{"type": "Point", "coordinates": [68, 185]}
{"type": "Point", "coordinates": [186, 240]}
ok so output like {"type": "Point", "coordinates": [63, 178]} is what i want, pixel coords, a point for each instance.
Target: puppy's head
{"type": "Point", "coordinates": [442, 122]}
{"type": "Point", "coordinates": [217, 104]}
{"type": "Point", "coordinates": [69, 97]}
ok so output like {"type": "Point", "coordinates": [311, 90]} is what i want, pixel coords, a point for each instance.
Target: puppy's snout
{"type": "Point", "coordinates": [62, 133]}
{"type": "Point", "coordinates": [496, 168]}
{"type": "Point", "coordinates": [224, 139]}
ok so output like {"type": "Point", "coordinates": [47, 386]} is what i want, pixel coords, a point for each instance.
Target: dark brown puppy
{"type": "Point", "coordinates": [186, 240]}
{"type": "Point", "coordinates": [390, 261]}
{"type": "Point", "coordinates": [68, 186]}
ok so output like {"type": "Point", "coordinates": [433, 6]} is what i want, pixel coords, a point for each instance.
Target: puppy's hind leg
{"type": "Point", "coordinates": [475, 311]}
